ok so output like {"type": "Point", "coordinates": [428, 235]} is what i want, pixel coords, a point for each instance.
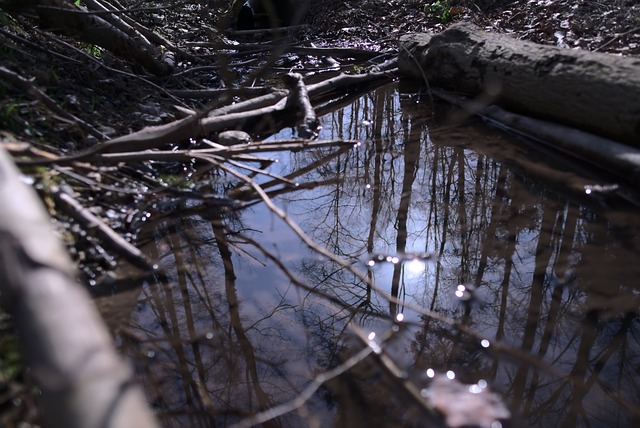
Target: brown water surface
{"type": "Point", "coordinates": [466, 264]}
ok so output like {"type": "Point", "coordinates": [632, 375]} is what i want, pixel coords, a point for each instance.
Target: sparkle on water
{"type": "Point", "coordinates": [430, 214]}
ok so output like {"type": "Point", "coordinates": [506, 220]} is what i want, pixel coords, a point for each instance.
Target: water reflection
{"type": "Point", "coordinates": [468, 258]}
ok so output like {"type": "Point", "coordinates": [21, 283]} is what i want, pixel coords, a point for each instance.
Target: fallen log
{"type": "Point", "coordinates": [114, 35]}
{"type": "Point", "coordinates": [84, 383]}
{"type": "Point", "coordinates": [595, 92]}
{"type": "Point", "coordinates": [618, 159]}
{"type": "Point", "coordinates": [236, 116]}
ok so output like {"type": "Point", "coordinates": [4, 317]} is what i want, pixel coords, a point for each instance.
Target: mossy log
{"type": "Point", "coordinates": [595, 92]}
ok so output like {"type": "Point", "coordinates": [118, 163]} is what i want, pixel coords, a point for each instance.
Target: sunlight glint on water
{"type": "Point", "coordinates": [421, 208]}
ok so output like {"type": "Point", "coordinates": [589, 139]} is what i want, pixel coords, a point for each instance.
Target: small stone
{"type": "Point", "coordinates": [151, 120]}
{"type": "Point", "coordinates": [107, 130]}
{"type": "Point", "coordinates": [231, 138]}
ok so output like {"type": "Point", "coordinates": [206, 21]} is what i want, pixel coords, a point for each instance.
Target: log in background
{"type": "Point", "coordinates": [596, 92]}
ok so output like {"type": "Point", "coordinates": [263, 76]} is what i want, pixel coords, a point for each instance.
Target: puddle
{"type": "Point", "coordinates": [467, 264]}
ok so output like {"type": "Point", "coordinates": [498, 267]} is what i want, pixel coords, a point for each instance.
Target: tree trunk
{"type": "Point", "coordinates": [595, 92]}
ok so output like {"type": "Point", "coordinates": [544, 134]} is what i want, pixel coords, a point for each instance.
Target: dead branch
{"type": "Point", "coordinates": [147, 138]}
{"type": "Point", "coordinates": [152, 36]}
{"type": "Point", "coordinates": [268, 31]}
{"type": "Point", "coordinates": [101, 64]}
{"type": "Point", "coordinates": [350, 81]}
{"type": "Point", "coordinates": [236, 116]}
{"type": "Point", "coordinates": [251, 104]}
{"type": "Point", "coordinates": [305, 394]}
{"type": "Point", "coordinates": [299, 97]}
{"type": "Point", "coordinates": [389, 366]}
{"type": "Point", "coordinates": [94, 29]}
{"type": "Point", "coordinates": [243, 192]}
{"type": "Point", "coordinates": [615, 38]}
{"type": "Point", "coordinates": [224, 152]}
{"type": "Point", "coordinates": [84, 383]}
{"type": "Point", "coordinates": [35, 46]}
{"type": "Point", "coordinates": [199, 94]}
{"type": "Point", "coordinates": [117, 21]}
{"type": "Point", "coordinates": [342, 52]}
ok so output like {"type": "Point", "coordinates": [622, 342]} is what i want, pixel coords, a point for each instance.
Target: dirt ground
{"type": "Point", "coordinates": [101, 89]}
{"type": "Point", "coordinates": [608, 26]}
{"type": "Point", "coordinates": [110, 94]}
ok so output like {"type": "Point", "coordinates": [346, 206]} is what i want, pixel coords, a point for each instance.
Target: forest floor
{"type": "Point", "coordinates": [611, 26]}
{"type": "Point", "coordinates": [113, 97]}
{"type": "Point", "coordinates": [110, 94]}
{"type": "Point", "coordinates": [104, 91]}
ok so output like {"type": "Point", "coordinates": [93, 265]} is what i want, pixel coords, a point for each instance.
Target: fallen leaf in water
{"type": "Point", "coordinates": [465, 405]}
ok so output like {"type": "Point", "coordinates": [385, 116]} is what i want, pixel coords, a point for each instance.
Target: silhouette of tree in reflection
{"type": "Point", "coordinates": [280, 314]}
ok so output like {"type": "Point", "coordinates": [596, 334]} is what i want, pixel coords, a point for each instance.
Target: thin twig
{"type": "Point", "coordinates": [37, 47]}
{"type": "Point", "coordinates": [371, 348]}
{"type": "Point", "coordinates": [617, 37]}
{"type": "Point", "coordinates": [106, 67]}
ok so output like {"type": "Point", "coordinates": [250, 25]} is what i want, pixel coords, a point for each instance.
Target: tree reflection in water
{"type": "Point", "coordinates": [243, 316]}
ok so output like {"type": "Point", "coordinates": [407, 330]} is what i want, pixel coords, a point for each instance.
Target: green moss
{"type": "Point", "coordinates": [440, 9]}
{"type": "Point", "coordinates": [11, 365]}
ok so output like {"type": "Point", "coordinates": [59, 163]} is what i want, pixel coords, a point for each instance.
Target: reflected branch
{"type": "Point", "coordinates": [496, 347]}
{"type": "Point", "coordinates": [305, 394]}
{"type": "Point", "coordinates": [371, 348]}
{"type": "Point", "coordinates": [234, 312]}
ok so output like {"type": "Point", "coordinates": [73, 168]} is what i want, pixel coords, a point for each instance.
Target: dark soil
{"type": "Point", "coordinates": [611, 26]}
{"type": "Point", "coordinates": [115, 97]}
{"type": "Point", "coordinates": [104, 91]}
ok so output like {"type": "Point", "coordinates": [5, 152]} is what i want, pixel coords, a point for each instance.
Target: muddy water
{"type": "Point", "coordinates": [474, 278]}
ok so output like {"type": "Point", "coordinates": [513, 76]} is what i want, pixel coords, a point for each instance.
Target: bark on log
{"type": "Point", "coordinates": [84, 383]}
{"type": "Point", "coordinates": [596, 92]}
{"type": "Point", "coordinates": [309, 127]}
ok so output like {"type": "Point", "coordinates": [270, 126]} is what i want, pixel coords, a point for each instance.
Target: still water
{"type": "Point", "coordinates": [473, 280]}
